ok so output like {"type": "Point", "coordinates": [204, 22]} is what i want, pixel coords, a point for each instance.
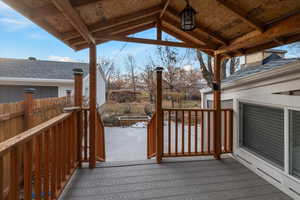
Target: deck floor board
{"type": "Point", "coordinates": [201, 180]}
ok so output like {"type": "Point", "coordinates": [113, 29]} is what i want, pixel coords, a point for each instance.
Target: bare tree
{"type": "Point", "coordinates": [131, 68]}
{"type": "Point", "coordinates": [147, 78]}
{"type": "Point", "coordinates": [108, 69]}
{"type": "Point", "coordinates": [207, 69]}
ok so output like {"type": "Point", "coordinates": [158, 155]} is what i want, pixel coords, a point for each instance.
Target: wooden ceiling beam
{"type": "Point", "coordinates": [240, 13]}
{"type": "Point", "coordinates": [123, 33]}
{"type": "Point", "coordinates": [184, 39]}
{"type": "Point", "coordinates": [71, 14]}
{"type": "Point", "coordinates": [268, 45]}
{"type": "Point", "coordinates": [199, 27]}
{"type": "Point", "coordinates": [150, 41]}
{"type": "Point", "coordinates": [103, 25]}
{"type": "Point", "coordinates": [283, 28]}
{"type": "Point", "coordinates": [193, 34]}
{"type": "Point", "coordinates": [166, 4]}
{"type": "Point", "coordinates": [78, 3]}
{"type": "Point", "coordinates": [118, 29]}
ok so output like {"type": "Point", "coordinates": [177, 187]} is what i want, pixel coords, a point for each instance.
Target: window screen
{"type": "Point", "coordinates": [294, 118]}
{"type": "Point", "coordinates": [262, 131]}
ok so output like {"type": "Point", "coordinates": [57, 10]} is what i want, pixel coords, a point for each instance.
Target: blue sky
{"type": "Point", "coordinates": [20, 38]}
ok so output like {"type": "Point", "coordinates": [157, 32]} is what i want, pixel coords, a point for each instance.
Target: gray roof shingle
{"type": "Point", "coordinates": [247, 71]}
{"type": "Point", "coordinates": [22, 68]}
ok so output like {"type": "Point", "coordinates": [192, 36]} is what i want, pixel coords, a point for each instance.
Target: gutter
{"type": "Point", "coordinates": [20, 81]}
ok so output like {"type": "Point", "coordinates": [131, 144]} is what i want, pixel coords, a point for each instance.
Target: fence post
{"type": "Point", "coordinates": [159, 115]}
{"type": "Point", "coordinates": [78, 76]}
{"type": "Point", "coordinates": [68, 95]}
{"type": "Point", "coordinates": [28, 107]}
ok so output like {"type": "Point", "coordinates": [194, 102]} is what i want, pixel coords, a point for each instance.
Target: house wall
{"type": "Point", "coordinates": [12, 88]}
{"type": "Point", "coordinates": [262, 93]}
{"type": "Point", "coordinates": [101, 88]}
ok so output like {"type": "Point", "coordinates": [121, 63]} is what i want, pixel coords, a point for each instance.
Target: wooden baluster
{"type": "Point", "coordinates": [69, 161]}
{"type": "Point", "coordinates": [14, 174]}
{"type": "Point", "coordinates": [85, 135]}
{"type": "Point", "coordinates": [202, 131]}
{"type": "Point", "coordinates": [71, 143]}
{"type": "Point", "coordinates": [162, 133]}
{"type": "Point", "coordinates": [169, 132]}
{"type": "Point", "coordinates": [58, 157]}
{"type": "Point", "coordinates": [37, 163]}
{"type": "Point", "coordinates": [53, 162]}
{"type": "Point", "coordinates": [230, 131]}
{"type": "Point", "coordinates": [1, 179]}
{"type": "Point", "coordinates": [196, 131]}
{"type": "Point", "coordinates": [176, 132]}
{"type": "Point", "coordinates": [182, 133]}
{"type": "Point", "coordinates": [46, 164]}
{"type": "Point", "coordinates": [28, 170]}
{"type": "Point", "coordinates": [208, 131]}
{"type": "Point", "coordinates": [63, 151]}
{"type": "Point", "coordinates": [189, 132]}
{"type": "Point", "coordinates": [225, 131]}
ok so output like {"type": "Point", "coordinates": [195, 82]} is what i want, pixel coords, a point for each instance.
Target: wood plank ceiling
{"type": "Point", "coordinates": [229, 27]}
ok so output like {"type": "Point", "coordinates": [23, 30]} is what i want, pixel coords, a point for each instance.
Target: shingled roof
{"type": "Point", "coordinates": [25, 68]}
{"type": "Point", "coordinates": [270, 65]}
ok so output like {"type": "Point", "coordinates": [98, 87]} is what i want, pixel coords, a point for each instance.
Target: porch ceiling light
{"type": "Point", "coordinates": [188, 18]}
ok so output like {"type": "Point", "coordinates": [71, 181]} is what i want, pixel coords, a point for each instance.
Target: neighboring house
{"type": "Point", "coordinates": [49, 78]}
{"type": "Point", "coordinates": [265, 97]}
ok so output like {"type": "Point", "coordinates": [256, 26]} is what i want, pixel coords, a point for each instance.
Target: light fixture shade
{"type": "Point", "coordinates": [188, 21]}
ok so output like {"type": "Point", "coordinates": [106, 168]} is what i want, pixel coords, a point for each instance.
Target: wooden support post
{"type": "Point", "coordinates": [78, 77]}
{"type": "Point", "coordinates": [93, 102]}
{"type": "Point", "coordinates": [68, 95]}
{"type": "Point", "coordinates": [217, 106]}
{"type": "Point", "coordinates": [159, 116]}
{"type": "Point", "coordinates": [158, 31]}
{"type": "Point", "coordinates": [28, 107]}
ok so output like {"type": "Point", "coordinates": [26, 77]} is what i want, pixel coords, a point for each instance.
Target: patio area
{"type": "Point", "coordinates": [197, 179]}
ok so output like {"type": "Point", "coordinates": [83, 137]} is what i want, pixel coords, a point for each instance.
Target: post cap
{"type": "Point", "coordinates": [69, 91]}
{"type": "Point", "coordinates": [159, 69]}
{"type": "Point", "coordinates": [29, 90]}
{"type": "Point", "coordinates": [77, 71]}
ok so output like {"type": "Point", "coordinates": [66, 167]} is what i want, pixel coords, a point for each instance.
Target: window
{"type": "Point", "coordinates": [294, 126]}
{"type": "Point", "coordinates": [262, 132]}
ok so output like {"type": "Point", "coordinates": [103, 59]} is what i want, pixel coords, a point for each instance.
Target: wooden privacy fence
{"type": "Point", "coordinates": [12, 115]}
{"type": "Point", "coordinates": [190, 132]}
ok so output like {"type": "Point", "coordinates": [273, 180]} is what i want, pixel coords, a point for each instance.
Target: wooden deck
{"type": "Point", "coordinates": [202, 180]}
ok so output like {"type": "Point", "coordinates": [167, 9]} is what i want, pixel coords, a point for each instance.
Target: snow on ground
{"type": "Point", "coordinates": [125, 144]}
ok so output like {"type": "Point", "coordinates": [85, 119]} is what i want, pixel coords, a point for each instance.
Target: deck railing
{"type": "Point", "coordinates": [99, 137]}
{"type": "Point", "coordinates": [42, 159]}
{"type": "Point", "coordinates": [190, 132]}
{"type": "Point", "coordinates": [151, 137]}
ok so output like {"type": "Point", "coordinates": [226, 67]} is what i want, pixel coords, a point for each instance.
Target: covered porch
{"type": "Point", "coordinates": [63, 148]}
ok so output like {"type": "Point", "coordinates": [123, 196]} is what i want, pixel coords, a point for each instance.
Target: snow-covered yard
{"type": "Point", "coordinates": [125, 144]}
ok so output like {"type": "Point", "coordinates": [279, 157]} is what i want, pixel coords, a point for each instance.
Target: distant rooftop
{"type": "Point", "coordinates": [30, 68]}
{"type": "Point", "coordinates": [269, 65]}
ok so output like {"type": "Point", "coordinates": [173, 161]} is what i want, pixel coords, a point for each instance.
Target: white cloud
{"type": "Point", "coordinates": [188, 67]}
{"type": "Point", "coordinates": [60, 58]}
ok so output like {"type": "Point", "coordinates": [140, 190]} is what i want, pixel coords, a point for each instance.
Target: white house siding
{"type": "Point", "coordinates": [261, 91]}
{"type": "Point", "coordinates": [100, 88]}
